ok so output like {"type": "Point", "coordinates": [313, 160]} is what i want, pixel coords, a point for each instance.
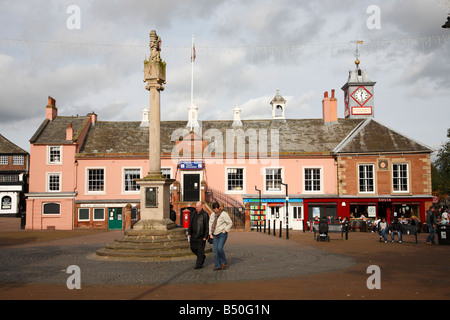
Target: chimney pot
{"type": "Point", "coordinates": [69, 132]}
{"type": "Point", "coordinates": [51, 101]}
{"type": "Point", "coordinates": [329, 109]}
{"type": "Point", "coordinates": [51, 112]}
{"type": "Point", "coordinates": [93, 117]}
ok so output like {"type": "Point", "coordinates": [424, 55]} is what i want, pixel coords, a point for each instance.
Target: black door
{"type": "Point", "coordinates": [191, 187]}
{"type": "Point", "coordinates": [385, 210]}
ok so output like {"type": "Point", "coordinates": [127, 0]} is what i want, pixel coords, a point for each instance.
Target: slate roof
{"type": "Point", "coordinates": [54, 132]}
{"type": "Point", "coordinates": [7, 147]}
{"type": "Point", "coordinates": [296, 136]}
{"type": "Point", "coordinates": [372, 137]}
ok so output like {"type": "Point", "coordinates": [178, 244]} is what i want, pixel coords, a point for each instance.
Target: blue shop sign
{"type": "Point", "coordinates": [191, 165]}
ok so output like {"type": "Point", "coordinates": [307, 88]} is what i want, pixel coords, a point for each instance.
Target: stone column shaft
{"type": "Point", "coordinates": [155, 132]}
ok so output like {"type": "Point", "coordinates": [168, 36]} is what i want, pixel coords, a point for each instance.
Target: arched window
{"type": "Point", "coordinates": [6, 203]}
{"type": "Point", "coordinates": [51, 208]}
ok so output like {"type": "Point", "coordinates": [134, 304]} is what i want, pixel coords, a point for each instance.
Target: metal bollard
{"type": "Point", "coordinates": [280, 228]}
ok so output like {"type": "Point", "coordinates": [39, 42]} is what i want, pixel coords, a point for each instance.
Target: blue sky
{"type": "Point", "coordinates": [246, 50]}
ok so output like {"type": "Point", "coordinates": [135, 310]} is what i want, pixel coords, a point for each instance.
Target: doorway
{"type": "Point", "coordinates": [115, 219]}
{"type": "Point", "coordinates": [296, 217]}
{"type": "Point", "coordinates": [191, 187]}
{"type": "Point", "coordinates": [385, 210]}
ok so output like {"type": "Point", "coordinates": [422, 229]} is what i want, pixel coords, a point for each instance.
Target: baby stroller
{"type": "Point", "coordinates": [323, 231]}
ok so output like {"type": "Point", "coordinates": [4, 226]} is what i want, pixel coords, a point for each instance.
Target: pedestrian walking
{"type": "Point", "coordinates": [198, 233]}
{"type": "Point", "coordinates": [431, 223]}
{"type": "Point", "coordinates": [345, 224]}
{"type": "Point", "coordinates": [219, 226]}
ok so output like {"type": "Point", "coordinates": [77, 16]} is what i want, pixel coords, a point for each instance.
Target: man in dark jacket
{"type": "Point", "coordinates": [396, 230]}
{"type": "Point", "coordinates": [198, 232]}
{"type": "Point", "coordinates": [431, 223]}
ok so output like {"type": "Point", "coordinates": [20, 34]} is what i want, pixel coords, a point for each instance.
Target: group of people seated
{"type": "Point", "coordinates": [381, 225]}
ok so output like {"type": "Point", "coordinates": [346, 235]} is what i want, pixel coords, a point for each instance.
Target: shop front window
{"type": "Point", "coordinates": [367, 210]}
{"type": "Point", "coordinates": [407, 211]}
{"type": "Point", "coordinates": [319, 210]}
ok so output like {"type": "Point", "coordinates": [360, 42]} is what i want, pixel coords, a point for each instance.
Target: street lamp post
{"type": "Point", "coordinates": [287, 209]}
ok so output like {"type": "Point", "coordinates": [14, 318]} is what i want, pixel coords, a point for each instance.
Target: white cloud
{"type": "Point", "coordinates": [245, 51]}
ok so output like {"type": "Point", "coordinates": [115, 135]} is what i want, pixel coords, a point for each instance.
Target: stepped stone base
{"type": "Point", "coordinates": [150, 243]}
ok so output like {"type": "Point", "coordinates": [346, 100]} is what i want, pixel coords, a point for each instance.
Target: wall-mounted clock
{"type": "Point", "coordinates": [361, 95]}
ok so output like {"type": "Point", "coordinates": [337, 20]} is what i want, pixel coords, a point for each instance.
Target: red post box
{"type": "Point", "coordinates": [186, 218]}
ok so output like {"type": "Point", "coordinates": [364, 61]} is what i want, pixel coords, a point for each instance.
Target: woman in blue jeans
{"type": "Point", "coordinates": [383, 227]}
{"type": "Point", "coordinates": [219, 226]}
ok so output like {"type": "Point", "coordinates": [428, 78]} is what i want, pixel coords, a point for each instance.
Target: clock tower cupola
{"type": "Point", "coordinates": [358, 92]}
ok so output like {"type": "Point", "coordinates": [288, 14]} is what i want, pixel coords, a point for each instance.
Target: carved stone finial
{"type": "Point", "coordinates": [155, 46]}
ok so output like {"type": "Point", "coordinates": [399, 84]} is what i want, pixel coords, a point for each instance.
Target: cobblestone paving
{"type": "Point", "coordinates": [246, 261]}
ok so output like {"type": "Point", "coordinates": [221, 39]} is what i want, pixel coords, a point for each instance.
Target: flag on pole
{"type": "Point", "coordinates": [193, 55]}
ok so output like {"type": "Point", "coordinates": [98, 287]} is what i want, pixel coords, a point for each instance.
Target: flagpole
{"type": "Point", "coordinates": [192, 74]}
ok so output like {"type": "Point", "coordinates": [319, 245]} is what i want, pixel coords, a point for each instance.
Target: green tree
{"type": "Point", "coordinates": [440, 169]}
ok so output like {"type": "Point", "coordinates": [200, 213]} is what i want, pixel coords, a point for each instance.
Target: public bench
{"type": "Point", "coordinates": [406, 230]}
{"type": "Point", "coordinates": [332, 228]}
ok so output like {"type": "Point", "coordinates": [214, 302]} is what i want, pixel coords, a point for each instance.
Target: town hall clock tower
{"type": "Point", "coordinates": [358, 94]}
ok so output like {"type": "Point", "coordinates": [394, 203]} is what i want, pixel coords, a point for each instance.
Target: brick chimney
{"type": "Point", "coordinates": [69, 133]}
{"type": "Point", "coordinates": [51, 112]}
{"type": "Point", "coordinates": [329, 109]}
{"type": "Point", "coordinates": [93, 118]}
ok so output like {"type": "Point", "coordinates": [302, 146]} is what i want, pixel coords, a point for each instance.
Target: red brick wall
{"type": "Point", "coordinates": [11, 167]}
{"type": "Point", "coordinates": [419, 174]}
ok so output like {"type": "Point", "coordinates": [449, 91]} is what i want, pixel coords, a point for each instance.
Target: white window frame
{"type": "Point", "coordinates": [93, 214]}
{"type": "Point", "coordinates": [104, 180]}
{"type": "Point", "coordinates": [4, 160]}
{"type": "Point", "coordinates": [321, 191]}
{"type": "Point", "coordinates": [170, 171]}
{"type": "Point", "coordinates": [89, 218]}
{"type": "Point", "coordinates": [360, 165]}
{"type": "Point", "coordinates": [265, 179]}
{"type": "Point", "coordinates": [243, 180]}
{"type": "Point", "coordinates": [124, 180]}
{"type": "Point", "coordinates": [49, 156]}
{"type": "Point", "coordinates": [400, 178]}
{"type": "Point", "coordinates": [59, 175]}
{"type": "Point", "coordinates": [18, 160]}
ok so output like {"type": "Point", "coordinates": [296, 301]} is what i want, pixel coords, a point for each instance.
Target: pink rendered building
{"type": "Point", "coordinates": [83, 171]}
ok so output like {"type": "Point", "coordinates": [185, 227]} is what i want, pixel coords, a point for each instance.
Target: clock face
{"type": "Point", "coordinates": [361, 95]}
